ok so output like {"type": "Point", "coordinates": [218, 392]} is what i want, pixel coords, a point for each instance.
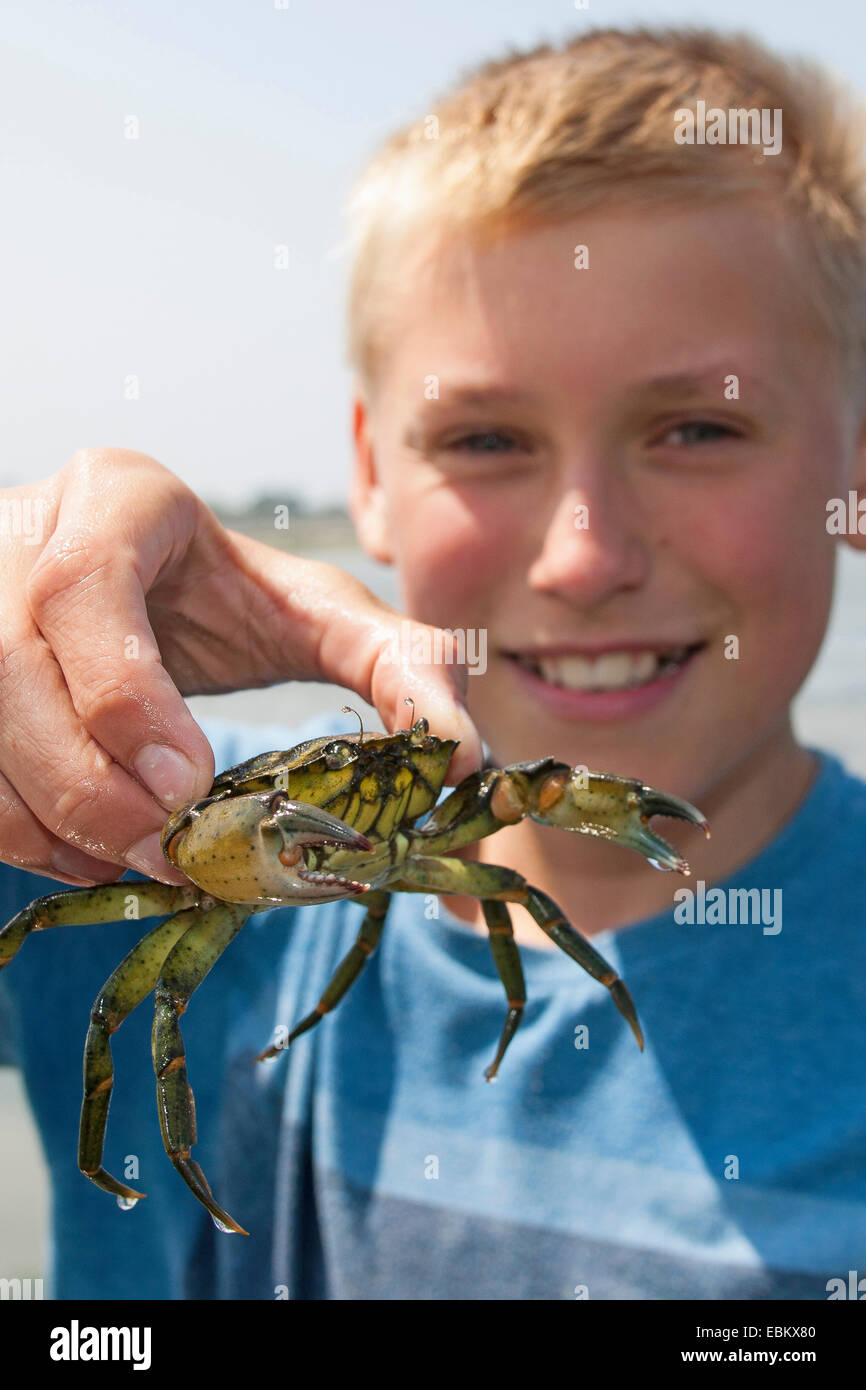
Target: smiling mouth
{"type": "Point", "coordinates": [623, 670]}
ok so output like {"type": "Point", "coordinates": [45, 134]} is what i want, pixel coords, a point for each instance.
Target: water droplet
{"type": "Point", "coordinates": [127, 1203]}
{"type": "Point", "coordinates": [220, 1227]}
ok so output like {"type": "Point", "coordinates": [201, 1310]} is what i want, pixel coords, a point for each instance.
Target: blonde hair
{"type": "Point", "coordinates": [541, 135]}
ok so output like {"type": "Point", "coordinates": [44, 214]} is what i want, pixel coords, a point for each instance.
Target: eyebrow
{"type": "Point", "coordinates": [694, 383]}
{"type": "Point", "coordinates": [668, 384]}
{"type": "Point", "coordinates": [488, 395]}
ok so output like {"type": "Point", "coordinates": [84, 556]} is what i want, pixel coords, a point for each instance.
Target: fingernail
{"type": "Point", "coordinates": [166, 773]}
{"type": "Point", "coordinates": [148, 858]}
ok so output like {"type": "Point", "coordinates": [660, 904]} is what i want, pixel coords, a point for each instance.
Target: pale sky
{"type": "Point", "coordinates": [154, 258]}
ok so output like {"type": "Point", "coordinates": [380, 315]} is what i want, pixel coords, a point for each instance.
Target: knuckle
{"type": "Point", "coordinates": [95, 461]}
{"type": "Point", "coordinates": [121, 470]}
{"type": "Point", "coordinates": [64, 566]}
{"type": "Point", "coordinates": [89, 807]}
{"type": "Point", "coordinates": [77, 809]}
{"type": "Point", "coordinates": [111, 697]}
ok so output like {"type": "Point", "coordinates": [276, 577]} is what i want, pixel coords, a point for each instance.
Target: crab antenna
{"type": "Point", "coordinates": [347, 709]}
{"type": "Point", "coordinates": [407, 700]}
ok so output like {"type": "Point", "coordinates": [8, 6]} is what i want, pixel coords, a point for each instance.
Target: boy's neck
{"type": "Point", "coordinates": [601, 886]}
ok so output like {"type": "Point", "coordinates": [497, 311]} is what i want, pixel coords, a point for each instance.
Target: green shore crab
{"type": "Point", "coordinates": [334, 817]}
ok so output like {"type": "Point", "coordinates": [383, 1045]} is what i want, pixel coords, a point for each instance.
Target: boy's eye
{"type": "Point", "coordinates": [485, 442]}
{"type": "Point", "coordinates": [698, 432]}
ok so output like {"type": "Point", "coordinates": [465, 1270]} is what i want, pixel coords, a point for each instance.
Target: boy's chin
{"type": "Point", "coordinates": [691, 757]}
{"type": "Point", "coordinates": [682, 757]}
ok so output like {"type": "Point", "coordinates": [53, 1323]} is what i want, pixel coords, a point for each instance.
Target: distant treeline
{"type": "Point", "coordinates": [265, 508]}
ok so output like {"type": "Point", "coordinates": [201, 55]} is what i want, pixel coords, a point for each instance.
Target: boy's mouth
{"type": "Point", "coordinates": [624, 681]}
{"type": "Point", "coordinates": [611, 670]}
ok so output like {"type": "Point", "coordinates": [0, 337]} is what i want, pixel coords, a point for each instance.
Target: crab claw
{"type": "Point", "coordinates": [302, 824]}
{"type": "Point", "coordinates": [616, 809]}
{"type": "Point", "coordinates": [264, 848]}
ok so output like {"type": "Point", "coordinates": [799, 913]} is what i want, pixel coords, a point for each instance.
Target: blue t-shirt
{"type": "Point", "coordinates": [373, 1161]}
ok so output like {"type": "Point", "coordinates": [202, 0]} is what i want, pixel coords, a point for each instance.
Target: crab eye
{"type": "Point", "coordinates": [337, 754]}
{"type": "Point", "coordinates": [419, 735]}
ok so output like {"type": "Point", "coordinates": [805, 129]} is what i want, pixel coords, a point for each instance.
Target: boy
{"type": "Point", "coordinates": [608, 383]}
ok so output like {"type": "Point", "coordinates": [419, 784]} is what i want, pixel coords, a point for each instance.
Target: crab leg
{"type": "Point", "coordinates": [132, 981]}
{"type": "Point", "coordinates": [443, 875]}
{"type": "Point", "coordinates": [347, 971]}
{"type": "Point", "coordinates": [589, 803]}
{"type": "Point", "coordinates": [183, 970]}
{"type": "Point", "coordinates": [108, 902]}
{"type": "Point", "coordinates": [507, 959]}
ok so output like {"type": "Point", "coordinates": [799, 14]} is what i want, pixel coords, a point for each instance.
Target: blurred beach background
{"type": "Point", "coordinates": [174, 271]}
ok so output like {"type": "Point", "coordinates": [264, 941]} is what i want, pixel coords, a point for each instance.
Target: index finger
{"type": "Point", "coordinates": [343, 634]}
{"type": "Point", "coordinates": [91, 609]}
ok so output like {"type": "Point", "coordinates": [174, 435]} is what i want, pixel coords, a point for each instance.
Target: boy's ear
{"type": "Point", "coordinates": [367, 500]}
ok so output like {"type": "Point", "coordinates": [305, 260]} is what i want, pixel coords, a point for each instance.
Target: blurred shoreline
{"type": "Point", "coordinates": [291, 525]}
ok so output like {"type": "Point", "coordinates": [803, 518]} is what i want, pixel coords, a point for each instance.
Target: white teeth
{"type": "Point", "coordinates": [611, 671]}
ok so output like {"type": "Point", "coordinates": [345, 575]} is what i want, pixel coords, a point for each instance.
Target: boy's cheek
{"type": "Point", "coordinates": [451, 558]}
{"type": "Point", "coordinates": [774, 569]}
{"type": "Point", "coordinates": [753, 539]}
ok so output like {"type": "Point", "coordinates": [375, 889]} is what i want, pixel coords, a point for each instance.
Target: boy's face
{"type": "Point", "coordinates": [701, 566]}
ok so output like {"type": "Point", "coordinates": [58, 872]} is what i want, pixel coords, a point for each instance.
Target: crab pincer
{"type": "Point", "coordinates": [264, 847]}
{"type": "Point", "coordinates": [614, 808]}
{"type": "Point", "coordinates": [303, 826]}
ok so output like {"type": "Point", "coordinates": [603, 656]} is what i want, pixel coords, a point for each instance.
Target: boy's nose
{"type": "Point", "coordinates": [593, 546]}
